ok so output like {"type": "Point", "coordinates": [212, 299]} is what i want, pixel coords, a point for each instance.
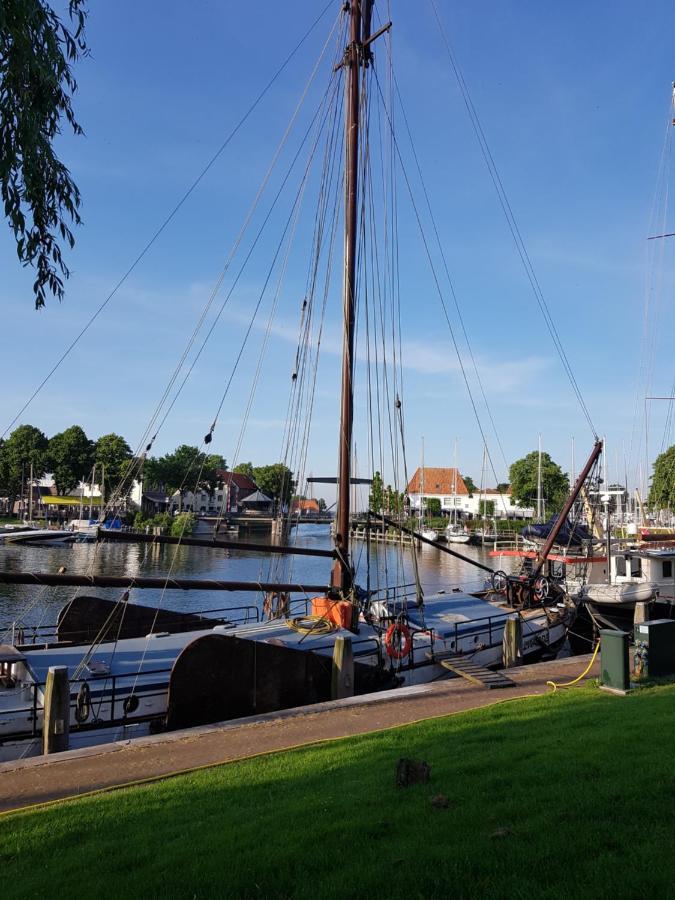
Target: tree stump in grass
{"type": "Point", "coordinates": [411, 771]}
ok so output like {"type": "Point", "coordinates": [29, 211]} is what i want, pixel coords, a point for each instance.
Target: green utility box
{"type": "Point", "coordinates": [614, 659]}
{"type": "Point", "coordinates": [654, 648]}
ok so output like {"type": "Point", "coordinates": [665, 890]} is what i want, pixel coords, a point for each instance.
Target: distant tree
{"type": "Point", "coordinates": [245, 468]}
{"type": "Point", "coordinates": [393, 501]}
{"type": "Point", "coordinates": [36, 87]}
{"type": "Point", "coordinates": [662, 489]}
{"type": "Point", "coordinates": [182, 525]}
{"type": "Point", "coordinates": [486, 508]}
{"type": "Point", "coordinates": [25, 445]}
{"type": "Point", "coordinates": [433, 506]}
{"type": "Point", "coordinates": [470, 486]}
{"type": "Point", "coordinates": [523, 479]}
{"type": "Point", "coordinates": [376, 498]}
{"type": "Point", "coordinates": [186, 469]}
{"type": "Point", "coordinates": [70, 456]}
{"type": "Point", "coordinates": [276, 481]}
{"type": "Point", "coordinates": [322, 503]}
{"type": "Point", "coordinates": [503, 487]}
{"type": "Point", "coordinates": [113, 456]}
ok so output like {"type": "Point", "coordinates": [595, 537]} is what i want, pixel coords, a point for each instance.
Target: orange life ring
{"type": "Point", "coordinates": [404, 643]}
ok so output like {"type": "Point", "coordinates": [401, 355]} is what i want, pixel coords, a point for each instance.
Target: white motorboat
{"type": "Point", "coordinates": [37, 535]}
{"type": "Point", "coordinates": [85, 529]}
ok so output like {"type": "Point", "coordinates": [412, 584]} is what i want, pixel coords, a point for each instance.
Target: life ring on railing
{"type": "Point", "coordinates": [541, 587]}
{"type": "Point", "coordinates": [397, 640]}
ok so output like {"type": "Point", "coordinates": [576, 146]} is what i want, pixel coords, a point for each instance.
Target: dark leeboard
{"type": "Point", "coordinates": [219, 677]}
{"type": "Point", "coordinates": [82, 619]}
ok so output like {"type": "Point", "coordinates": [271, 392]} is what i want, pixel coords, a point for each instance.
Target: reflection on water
{"type": "Point", "coordinates": [384, 565]}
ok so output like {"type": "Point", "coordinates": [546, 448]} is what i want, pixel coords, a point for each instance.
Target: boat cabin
{"type": "Point", "coordinates": [646, 565]}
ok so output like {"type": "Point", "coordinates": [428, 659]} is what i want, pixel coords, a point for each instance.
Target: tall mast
{"type": "Point", "coordinates": [342, 572]}
{"type": "Point", "coordinates": [539, 512]}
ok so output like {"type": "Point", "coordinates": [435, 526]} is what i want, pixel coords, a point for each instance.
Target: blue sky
{"type": "Point", "coordinates": [574, 101]}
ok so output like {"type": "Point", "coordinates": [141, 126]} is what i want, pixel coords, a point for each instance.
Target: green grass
{"type": "Point", "coordinates": [570, 795]}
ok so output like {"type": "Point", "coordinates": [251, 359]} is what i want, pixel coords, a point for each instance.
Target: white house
{"type": "Point", "coordinates": [447, 486]}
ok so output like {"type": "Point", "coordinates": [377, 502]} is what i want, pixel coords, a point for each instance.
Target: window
{"type": "Point", "coordinates": [219, 498]}
{"type": "Point", "coordinates": [620, 565]}
{"type": "Point", "coordinates": [667, 568]}
{"type": "Point", "coordinates": [636, 567]}
{"type": "Point", "coordinates": [557, 570]}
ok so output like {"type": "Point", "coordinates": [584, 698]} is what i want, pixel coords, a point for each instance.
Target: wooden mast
{"type": "Point", "coordinates": [341, 578]}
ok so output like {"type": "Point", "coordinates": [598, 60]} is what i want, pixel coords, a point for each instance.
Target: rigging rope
{"type": "Point", "coordinates": [168, 219]}
{"type": "Point", "coordinates": [511, 220]}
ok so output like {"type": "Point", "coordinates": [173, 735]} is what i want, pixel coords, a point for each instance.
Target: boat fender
{"type": "Point", "coordinates": [541, 587]}
{"type": "Point", "coordinates": [499, 581]}
{"type": "Point", "coordinates": [130, 704]}
{"type": "Point", "coordinates": [397, 640]}
{"type": "Point", "coordinates": [83, 703]}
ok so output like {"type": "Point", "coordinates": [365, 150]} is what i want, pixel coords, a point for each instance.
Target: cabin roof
{"type": "Point", "coordinates": [437, 481]}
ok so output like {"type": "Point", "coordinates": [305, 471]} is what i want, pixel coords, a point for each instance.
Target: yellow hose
{"type": "Point", "coordinates": [317, 625]}
{"type": "Point", "coordinates": [556, 685]}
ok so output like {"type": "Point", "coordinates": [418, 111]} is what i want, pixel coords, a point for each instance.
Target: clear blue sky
{"type": "Point", "coordinates": [574, 102]}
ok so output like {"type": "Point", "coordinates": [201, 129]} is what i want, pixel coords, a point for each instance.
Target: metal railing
{"type": "Point", "coordinates": [23, 635]}
{"type": "Point", "coordinates": [114, 698]}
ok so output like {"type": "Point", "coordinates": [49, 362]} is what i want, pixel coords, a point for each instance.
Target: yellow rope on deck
{"type": "Point", "coordinates": [311, 625]}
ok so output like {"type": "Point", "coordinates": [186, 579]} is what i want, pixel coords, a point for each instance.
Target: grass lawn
{"type": "Point", "coordinates": [569, 795]}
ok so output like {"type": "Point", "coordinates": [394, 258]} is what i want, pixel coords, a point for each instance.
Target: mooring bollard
{"type": "Point", "coordinates": [641, 613]}
{"type": "Point", "coordinates": [343, 669]}
{"type": "Point", "coordinates": [56, 723]}
{"type": "Point", "coordinates": [512, 642]}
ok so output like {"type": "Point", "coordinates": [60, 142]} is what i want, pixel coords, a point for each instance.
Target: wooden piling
{"type": "Point", "coordinates": [343, 669]}
{"type": "Point", "coordinates": [512, 642]}
{"type": "Point", "coordinates": [641, 613]}
{"type": "Point", "coordinates": [56, 724]}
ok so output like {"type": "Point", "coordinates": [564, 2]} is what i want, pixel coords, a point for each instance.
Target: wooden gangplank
{"type": "Point", "coordinates": [476, 674]}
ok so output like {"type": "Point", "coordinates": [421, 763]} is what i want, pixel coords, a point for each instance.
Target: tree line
{"type": "Point", "coordinates": [71, 455]}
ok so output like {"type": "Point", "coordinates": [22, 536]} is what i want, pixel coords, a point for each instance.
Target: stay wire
{"type": "Point", "coordinates": [442, 299]}
{"type": "Point", "coordinates": [140, 454]}
{"type": "Point", "coordinates": [168, 219]}
{"type": "Point", "coordinates": [447, 273]}
{"type": "Point", "coordinates": [512, 222]}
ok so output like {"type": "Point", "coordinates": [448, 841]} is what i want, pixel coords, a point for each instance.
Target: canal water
{"type": "Point", "coordinates": [385, 565]}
